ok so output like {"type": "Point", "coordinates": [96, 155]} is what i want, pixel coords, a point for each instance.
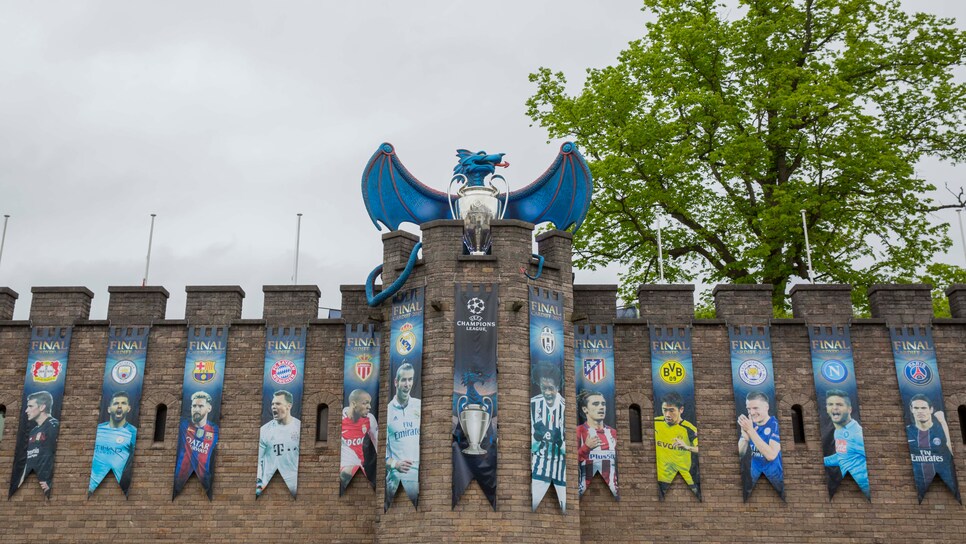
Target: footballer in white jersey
{"type": "Point", "coordinates": [278, 445]}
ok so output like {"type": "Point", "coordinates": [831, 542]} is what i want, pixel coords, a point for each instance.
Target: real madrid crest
{"type": "Point", "coordinates": [407, 339]}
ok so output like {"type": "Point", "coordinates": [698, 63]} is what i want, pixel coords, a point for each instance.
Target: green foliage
{"type": "Point", "coordinates": [726, 128]}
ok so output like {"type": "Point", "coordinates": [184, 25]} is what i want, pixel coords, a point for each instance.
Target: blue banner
{"type": "Point", "coordinates": [204, 378]}
{"type": "Point", "coordinates": [548, 453]}
{"type": "Point", "coordinates": [843, 441]}
{"type": "Point", "coordinates": [675, 421]}
{"type": "Point", "coordinates": [753, 381]}
{"type": "Point", "coordinates": [922, 399]}
{"type": "Point", "coordinates": [43, 394]}
{"type": "Point", "coordinates": [405, 392]}
{"type": "Point", "coordinates": [596, 409]}
{"type": "Point", "coordinates": [127, 352]}
{"type": "Point", "coordinates": [360, 390]}
{"type": "Point", "coordinates": [281, 431]}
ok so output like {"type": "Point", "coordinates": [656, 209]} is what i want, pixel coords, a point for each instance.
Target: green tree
{"type": "Point", "coordinates": [726, 123]}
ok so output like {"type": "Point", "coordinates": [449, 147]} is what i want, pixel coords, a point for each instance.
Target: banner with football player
{"type": "Point", "coordinates": [127, 352]}
{"type": "Point", "coordinates": [204, 377]}
{"type": "Point", "coordinates": [927, 430]}
{"type": "Point", "coordinates": [405, 392]}
{"type": "Point", "coordinates": [843, 442]}
{"type": "Point", "coordinates": [596, 409]}
{"type": "Point", "coordinates": [43, 394]}
{"type": "Point", "coordinates": [547, 412]}
{"type": "Point", "coordinates": [281, 430]}
{"type": "Point", "coordinates": [753, 382]}
{"type": "Point", "coordinates": [360, 390]}
{"type": "Point", "coordinates": [675, 422]}
{"type": "Point", "coordinates": [474, 390]}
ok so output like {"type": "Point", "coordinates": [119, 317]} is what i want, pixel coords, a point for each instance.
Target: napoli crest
{"type": "Point", "coordinates": [917, 372]}
{"type": "Point", "coordinates": [284, 371]}
{"type": "Point", "coordinates": [594, 370]}
{"type": "Point", "coordinates": [203, 371]}
{"type": "Point", "coordinates": [547, 341]}
{"type": "Point", "coordinates": [363, 368]}
{"type": "Point", "coordinates": [752, 372]}
{"type": "Point", "coordinates": [407, 340]}
{"type": "Point", "coordinates": [46, 371]}
{"type": "Point", "coordinates": [124, 372]}
{"type": "Point", "coordinates": [834, 371]}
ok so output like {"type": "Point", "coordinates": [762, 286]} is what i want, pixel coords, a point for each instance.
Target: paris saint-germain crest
{"type": "Point", "coordinates": [547, 341]}
{"type": "Point", "coordinates": [918, 372]}
{"type": "Point", "coordinates": [594, 370]}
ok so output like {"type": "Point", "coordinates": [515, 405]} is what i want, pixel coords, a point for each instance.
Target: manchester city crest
{"type": "Point", "coordinates": [124, 372]}
{"type": "Point", "coordinates": [547, 341]}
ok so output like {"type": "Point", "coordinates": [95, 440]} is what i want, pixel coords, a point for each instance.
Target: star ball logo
{"type": "Point", "coordinates": [475, 305]}
{"type": "Point", "coordinates": [363, 367]}
{"type": "Point", "coordinates": [284, 371]}
{"type": "Point", "coordinates": [407, 340]}
{"type": "Point", "coordinates": [45, 371]}
{"type": "Point", "coordinates": [203, 371]}
{"type": "Point", "coordinates": [124, 372]}
{"type": "Point", "coordinates": [752, 372]}
{"type": "Point", "coordinates": [917, 372]}
{"type": "Point", "coordinates": [834, 371]}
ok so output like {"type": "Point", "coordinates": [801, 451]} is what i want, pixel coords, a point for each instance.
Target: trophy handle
{"type": "Point", "coordinates": [458, 178]}
{"type": "Point", "coordinates": [506, 199]}
{"type": "Point", "coordinates": [461, 402]}
{"type": "Point", "coordinates": [488, 404]}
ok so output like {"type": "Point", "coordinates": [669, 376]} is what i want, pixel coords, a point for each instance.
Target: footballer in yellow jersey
{"type": "Point", "coordinates": [676, 443]}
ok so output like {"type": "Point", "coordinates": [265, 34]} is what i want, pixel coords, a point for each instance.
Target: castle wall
{"type": "Point", "coordinates": [320, 515]}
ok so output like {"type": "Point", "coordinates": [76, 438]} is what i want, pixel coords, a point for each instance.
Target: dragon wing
{"type": "Point", "coordinates": [561, 195]}
{"type": "Point", "coordinates": [393, 196]}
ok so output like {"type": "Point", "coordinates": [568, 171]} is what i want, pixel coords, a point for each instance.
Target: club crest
{"type": "Point", "coordinates": [363, 367]}
{"type": "Point", "coordinates": [203, 371]}
{"type": "Point", "coordinates": [547, 341]}
{"type": "Point", "coordinates": [752, 372]}
{"type": "Point", "coordinates": [918, 372]}
{"type": "Point", "coordinates": [284, 371]}
{"type": "Point", "coordinates": [124, 372]}
{"type": "Point", "coordinates": [45, 371]}
{"type": "Point", "coordinates": [594, 370]}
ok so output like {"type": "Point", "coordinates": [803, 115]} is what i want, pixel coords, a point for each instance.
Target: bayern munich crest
{"type": "Point", "coordinates": [45, 371]}
{"type": "Point", "coordinates": [407, 340]}
{"type": "Point", "coordinates": [284, 371]}
{"type": "Point", "coordinates": [752, 372]}
{"type": "Point", "coordinates": [363, 367]}
{"type": "Point", "coordinates": [834, 371]}
{"type": "Point", "coordinates": [917, 372]}
{"type": "Point", "coordinates": [594, 370]}
{"type": "Point", "coordinates": [203, 371]}
{"type": "Point", "coordinates": [547, 341]}
{"type": "Point", "coordinates": [124, 372]}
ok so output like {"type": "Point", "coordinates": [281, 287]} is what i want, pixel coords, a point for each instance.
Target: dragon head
{"type": "Point", "coordinates": [474, 376]}
{"type": "Point", "coordinates": [476, 166]}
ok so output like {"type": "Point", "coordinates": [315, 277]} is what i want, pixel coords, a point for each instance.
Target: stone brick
{"type": "Point", "coordinates": [901, 304]}
{"type": "Point", "coordinates": [817, 303]}
{"type": "Point", "coordinates": [136, 305]}
{"type": "Point", "coordinates": [291, 304]}
{"type": "Point", "coordinates": [595, 303]}
{"type": "Point", "coordinates": [956, 293]}
{"type": "Point", "coordinates": [666, 304]}
{"type": "Point", "coordinates": [397, 246]}
{"type": "Point", "coordinates": [8, 300]}
{"type": "Point", "coordinates": [213, 304]}
{"type": "Point", "coordinates": [743, 303]}
{"type": "Point", "coordinates": [355, 305]}
{"type": "Point", "coordinates": [60, 305]}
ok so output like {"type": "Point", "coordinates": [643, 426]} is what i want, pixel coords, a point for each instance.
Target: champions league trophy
{"type": "Point", "coordinates": [477, 204]}
{"type": "Point", "coordinates": [475, 421]}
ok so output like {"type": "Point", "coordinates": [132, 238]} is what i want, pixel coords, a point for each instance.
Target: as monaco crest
{"type": "Point", "coordinates": [45, 371]}
{"type": "Point", "coordinates": [364, 367]}
{"type": "Point", "coordinates": [594, 370]}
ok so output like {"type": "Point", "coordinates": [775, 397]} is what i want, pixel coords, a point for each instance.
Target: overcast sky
{"type": "Point", "coordinates": [228, 118]}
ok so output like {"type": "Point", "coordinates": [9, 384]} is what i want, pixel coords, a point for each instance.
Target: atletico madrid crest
{"type": "Point", "coordinates": [594, 370]}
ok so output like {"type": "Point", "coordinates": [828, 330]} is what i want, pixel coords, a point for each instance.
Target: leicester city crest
{"type": "Point", "coordinates": [594, 370]}
{"type": "Point", "coordinates": [752, 372]}
{"type": "Point", "coordinates": [547, 341]}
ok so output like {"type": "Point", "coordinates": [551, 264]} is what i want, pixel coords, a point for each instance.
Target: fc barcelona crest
{"type": "Point", "coordinates": [594, 370]}
{"type": "Point", "coordinates": [203, 372]}
{"type": "Point", "coordinates": [547, 341]}
{"type": "Point", "coordinates": [364, 367]}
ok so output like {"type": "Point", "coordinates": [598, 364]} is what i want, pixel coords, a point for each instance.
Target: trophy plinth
{"type": "Point", "coordinates": [474, 420]}
{"type": "Point", "coordinates": [477, 205]}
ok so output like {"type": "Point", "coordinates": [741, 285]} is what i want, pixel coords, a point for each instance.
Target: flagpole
{"type": "Point", "coordinates": [808, 250]}
{"type": "Point", "coordinates": [147, 263]}
{"type": "Point", "coordinates": [962, 234]}
{"type": "Point", "coordinates": [3, 239]}
{"type": "Point", "coordinates": [660, 252]}
{"type": "Point", "coordinates": [298, 235]}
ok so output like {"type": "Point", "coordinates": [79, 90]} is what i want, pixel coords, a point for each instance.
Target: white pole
{"type": "Point", "coordinates": [808, 250]}
{"type": "Point", "coordinates": [147, 263]}
{"type": "Point", "coordinates": [660, 252]}
{"type": "Point", "coordinates": [3, 239]}
{"type": "Point", "coordinates": [962, 234]}
{"type": "Point", "coordinates": [298, 234]}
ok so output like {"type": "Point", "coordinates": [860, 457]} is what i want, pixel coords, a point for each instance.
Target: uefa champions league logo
{"type": "Point", "coordinates": [752, 372]}
{"type": "Point", "coordinates": [475, 305]}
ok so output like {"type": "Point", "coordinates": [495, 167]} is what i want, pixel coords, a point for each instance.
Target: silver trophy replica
{"type": "Point", "coordinates": [474, 420]}
{"type": "Point", "coordinates": [477, 204]}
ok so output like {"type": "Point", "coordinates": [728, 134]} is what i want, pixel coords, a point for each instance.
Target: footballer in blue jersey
{"type": "Point", "coordinates": [761, 440]}
{"type": "Point", "coordinates": [929, 445]}
{"type": "Point", "coordinates": [114, 444]}
{"type": "Point", "coordinates": [849, 456]}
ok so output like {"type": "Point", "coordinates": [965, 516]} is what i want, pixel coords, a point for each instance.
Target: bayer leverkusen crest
{"type": "Point", "coordinates": [364, 368]}
{"type": "Point", "coordinates": [45, 371]}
